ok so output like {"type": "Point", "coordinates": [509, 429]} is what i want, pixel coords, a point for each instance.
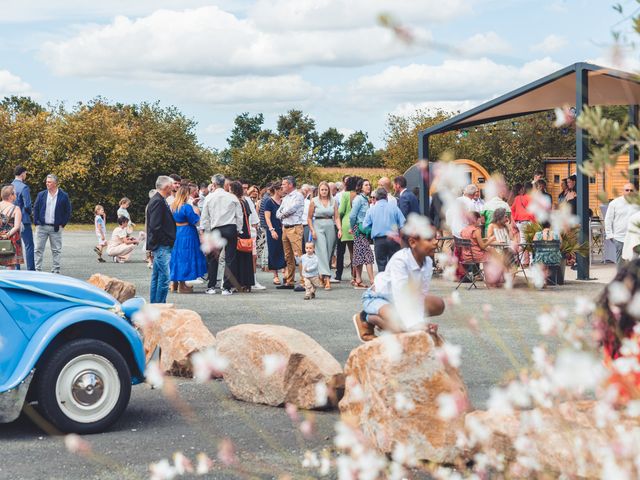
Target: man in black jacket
{"type": "Point", "coordinates": [161, 234]}
{"type": "Point", "coordinates": [51, 213]}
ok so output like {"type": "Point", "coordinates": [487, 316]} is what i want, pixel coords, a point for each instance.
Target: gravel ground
{"type": "Point", "coordinates": [153, 427]}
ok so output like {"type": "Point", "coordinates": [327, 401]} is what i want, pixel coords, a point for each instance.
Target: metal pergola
{"type": "Point", "coordinates": [579, 84]}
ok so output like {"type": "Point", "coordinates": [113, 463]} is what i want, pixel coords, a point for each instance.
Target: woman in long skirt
{"type": "Point", "coordinates": [362, 254]}
{"type": "Point", "coordinates": [245, 278]}
{"type": "Point", "coordinates": [274, 233]}
{"type": "Point", "coordinates": [323, 220]}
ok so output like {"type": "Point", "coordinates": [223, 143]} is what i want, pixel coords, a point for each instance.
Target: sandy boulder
{"type": "Point", "coordinates": [392, 389]}
{"type": "Point", "coordinates": [564, 440]}
{"type": "Point", "coordinates": [178, 333]}
{"type": "Point", "coordinates": [274, 365]}
{"type": "Point", "coordinates": [118, 289]}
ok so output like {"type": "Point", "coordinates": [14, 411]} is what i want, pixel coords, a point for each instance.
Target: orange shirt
{"type": "Point", "coordinates": [519, 212]}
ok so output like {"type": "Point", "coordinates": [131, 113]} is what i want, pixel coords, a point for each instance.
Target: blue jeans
{"type": "Point", "coordinates": [27, 239]}
{"type": "Point", "coordinates": [160, 275]}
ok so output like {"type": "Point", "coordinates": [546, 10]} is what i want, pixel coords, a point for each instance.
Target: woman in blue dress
{"type": "Point", "coordinates": [274, 233]}
{"type": "Point", "coordinates": [187, 260]}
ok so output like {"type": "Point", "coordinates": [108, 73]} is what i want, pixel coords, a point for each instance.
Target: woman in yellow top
{"type": "Point", "coordinates": [346, 241]}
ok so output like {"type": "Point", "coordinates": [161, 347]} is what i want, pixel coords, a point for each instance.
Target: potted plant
{"type": "Point", "coordinates": [569, 246]}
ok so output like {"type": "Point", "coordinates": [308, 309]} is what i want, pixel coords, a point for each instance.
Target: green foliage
{"type": "Point", "coordinates": [271, 159]}
{"type": "Point", "coordinates": [359, 151]}
{"type": "Point", "coordinates": [102, 152]}
{"type": "Point", "coordinates": [295, 122]}
{"type": "Point", "coordinates": [246, 127]}
{"type": "Point", "coordinates": [569, 240]}
{"type": "Point", "coordinates": [513, 148]}
{"type": "Point", "coordinates": [330, 149]}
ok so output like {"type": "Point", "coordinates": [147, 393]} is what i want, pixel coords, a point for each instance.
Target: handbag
{"type": "Point", "coordinates": [245, 245]}
{"type": "Point", "coordinates": [7, 249]}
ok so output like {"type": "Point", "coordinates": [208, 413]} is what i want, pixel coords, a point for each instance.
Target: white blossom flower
{"type": "Point", "coordinates": [418, 226]}
{"type": "Point", "coordinates": [562, 219]}
{"type": "Point", "coordinates": [633, 307]}
{"type": "Point", "coordinates": [618, 293]}
{"type": "Point", "coordinates": [392, 348]}
{"type": "Point", "coordinates": [325, 464]}
{"type": "Point", "coordinates": [537, 275]}
{"type": "Point", "coordinates": [584, 306]}
{"type": "Point", "coordinates": [633, 409]}
{"type": "Point", "coordinates": [450, 272]}
{"type": "Point", "coordinates": [626, 365]}
{"type": "Point", "coordinates": [162, 470]}
{"type": "Point", "coordinates": [564, 116]}
{"type": "Point", "coordinates": [540, 206]}
{"type": "Point", "coordinates": [629, 346]}
{"type": "Point", "coordinates": [182, 464]}
{"type": "Point", "coordinates": [455, 298]}
{"type": "Point", "coordinates": [322, 393]}
{"type": "Point", "coordinates": [76, 444]}
{"type": "Point", "coordinates": [478, 433]}
{"type": "Point", "coordinates": [518, 395]}
{"type": "Point", "coordinates": [146, 316]}
{"type": "Point", "coordinates": [499, 402]}
{"type": "Point", "coordinates": [212, 241]}
{"type": "Point", "coordinates": [404, 454]}
{"type": "Point", "coordinates": [273, 363]}
{"type": "Point", "coordinates": [548, 323]}
{"type": "Point", "coordinates": [154, 375]}
{"type": "Point", "coordinates": [450, 406]}
{"type": "Point", "coordinates": [208, 363]}
{"type": "Point", "coordinates": [577, 371]}
{"type": "Point", "coordinates": [451, 178]}
{"type": "Point", "coordinates": [449, 354]}
{"type": "Point", "coordinates": [203, 464]}
{"type": "Point", "coordinates": [396, 472]}
{"type": "Point", "coordinates": [403, 404]}
{"type": "Point", "coordinates": [310, 460]}
{"type": "Point", "coordinates": [605, 414]}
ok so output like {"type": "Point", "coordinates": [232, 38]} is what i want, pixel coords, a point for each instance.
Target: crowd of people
{"type": "Point", "coordinates": [220, 233]}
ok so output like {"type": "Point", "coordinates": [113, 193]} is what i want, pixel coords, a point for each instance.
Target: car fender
{"type": "Point", "coordinates": [48, 331]}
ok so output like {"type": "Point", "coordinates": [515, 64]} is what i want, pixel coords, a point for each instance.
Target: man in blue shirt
{"type": "Point", "coordinates": [385, 219]}
{"type": "Point", "coordinates": [407, 201]}
{"type": "Point", "coordinates": [23, 200]}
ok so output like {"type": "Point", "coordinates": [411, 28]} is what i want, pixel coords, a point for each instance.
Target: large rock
{"type": "Point", "coordinates": [565, 440]}
{"type": "Point", "coordinates": [302, 367]}
{"type": "Point", "coordinates": [118, 289]}
{"type": "Point", "coordinates": [392, 389]}
{"type": "Point", "coordinates": [178, 333]}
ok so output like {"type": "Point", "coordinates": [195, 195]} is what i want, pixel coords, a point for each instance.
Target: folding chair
{"type": "Point", "coordinates": [596, 231]}
{"type": "Point", "coordinates": [548, 249]}
{"type": "Point", "coordinates": [471, 267]}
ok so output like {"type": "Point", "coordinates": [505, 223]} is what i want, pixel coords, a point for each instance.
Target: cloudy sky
{"type": "Point", "coordinates": [330, 58]}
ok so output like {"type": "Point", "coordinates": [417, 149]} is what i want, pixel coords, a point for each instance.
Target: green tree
{"type": "Point", "coordinates": [246, 127]}
{"type": "Point", "coordinates": [296, 122]}
{"type": "Point", "coordinates": [330, 149]}
{"type": "Point", "coordinates": [359, 151]}
{"type": "Point", "coordinates": [276, 157]}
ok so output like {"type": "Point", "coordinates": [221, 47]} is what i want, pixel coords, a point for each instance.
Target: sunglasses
{"type": "Point", "coordinates": [628, 189]}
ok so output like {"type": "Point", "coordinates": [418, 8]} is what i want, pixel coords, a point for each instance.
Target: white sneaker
{"type": "Point", "coordinates": [210, 291]}
{"type": "Point", "coordinates": [197, 281]}
{"type": "Point", "coordinates": [227, 292]}
{"type": "Point", "coordinates": [258, 286]}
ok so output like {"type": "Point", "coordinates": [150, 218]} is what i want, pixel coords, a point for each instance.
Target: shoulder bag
{"type": "Point", "coordinates": [245, 245]}
{"type": "Point", "coordinates": [7, 249]}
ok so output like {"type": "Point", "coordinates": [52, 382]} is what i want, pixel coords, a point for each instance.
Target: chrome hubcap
{"type": "Point", "coordinates": [87, 388]}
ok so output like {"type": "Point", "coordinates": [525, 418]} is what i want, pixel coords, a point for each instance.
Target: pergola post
{"type": "Point", "coordinates": [633, 151]}
{"type": "Point", "coordinates": [582, 151]}
{"type": "Point", "coordinates": [423, 154]}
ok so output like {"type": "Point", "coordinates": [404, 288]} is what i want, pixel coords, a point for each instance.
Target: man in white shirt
{"type": "Point", "coordinates": [221, 212]}
{"type": "Point", "coordinates": [408, 274]}
{"type": "Point", "coordinates": [290, 214]}
{"type": "Point", "coordinates": [616, 221]}
{"type": "Point", "coordinates": [458, 213]}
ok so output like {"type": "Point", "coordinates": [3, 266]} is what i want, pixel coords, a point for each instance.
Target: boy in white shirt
{"type": "Point", "coordinates": [407, 276]}
{"type": "Point", "coordinates": [310, 273]}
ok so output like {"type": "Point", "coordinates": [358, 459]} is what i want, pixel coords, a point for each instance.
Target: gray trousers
{"type": "Point", "coordinates": [44, 232]}
{"type": "Point", "coordinates": [619, 247]}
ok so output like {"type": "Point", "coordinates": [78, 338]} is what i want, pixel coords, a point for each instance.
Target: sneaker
{"type": "Point", "coordinates": [227, 292]}
{"type": "Point", "coordinates": [258, 286]}
{"type": "Point", "coordinates": [335, 280]}
{"type": "Point", "coordinates": [286, 287]}
{"type": "Point", "coordinates": [101, 260]}
{"type": "Point", "coordinates": [298, 288]}
{"type": "Point", "coordinates": [365, 331]}
{"type": "Point", "coordinates": [307, 297]}
{"type": "Point", "coordinates": [197, 281]}
{"type": "Point", "coordinates": [97, 250]}
{"type": "Point", "coordinates": [313, 295]}
{"type": "Point", "coordinates": [210, 291]}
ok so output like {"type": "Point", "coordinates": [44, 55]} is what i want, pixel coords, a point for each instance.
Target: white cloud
{"type": "Point", "coordinates": [551, 43]}
{"type": "Point", "coordinates": [346, 131]}
{"type": "Point", "coordinates": [341, 14]}
{"type": "Point", "coordinates": [217, 128]}
{"type": "Point", "coordinates": [623, 60]}
{"type": "Point", "coordinates": [210, 41]}
{"type": "Point", "coordinates": [484, 44]}
{"type": "Point", "coordinates": [11, 84]}
{"type": "Point", "coordinates": [29, 11]}
{"type": "Point", "coordinates": [453, 80]}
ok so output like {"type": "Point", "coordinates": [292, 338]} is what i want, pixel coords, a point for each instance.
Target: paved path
{"type": "Point", "coordinates": [152, 428]}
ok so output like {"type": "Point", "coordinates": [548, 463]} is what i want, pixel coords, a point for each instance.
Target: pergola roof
{"type": "Point", "coordinates": [606, 87]}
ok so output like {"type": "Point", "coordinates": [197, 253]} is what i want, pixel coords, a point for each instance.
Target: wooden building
{"type": "Point", "coordinates": [610, 182]}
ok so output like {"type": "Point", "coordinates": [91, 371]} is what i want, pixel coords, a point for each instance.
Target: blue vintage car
{"type": "Point", "coordinates": [69, 348]}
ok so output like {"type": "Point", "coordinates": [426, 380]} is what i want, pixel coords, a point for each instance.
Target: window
{"type": "Point", "coordinates": [592, 179]}
{"type": "Point", "coordinates": [556, 179]}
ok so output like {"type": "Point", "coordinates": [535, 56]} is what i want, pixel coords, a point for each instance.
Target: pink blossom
{"type": "Point", "coordinates": [182, 464]}
{"type": "Point", "coordinates": [451, 405]}
{"type": "Point", "coordinates": [154, 375]}
{"type": "Point", "coordinates": [449, 354]}
{"type": "Point", "coordinates": [292, 411]}
{"type": "Point", "coordinates": [308, 427]}
{"type": "Point", "coordinates": [204, 464]}
{"type": "Point", "coordinates": [227, 452]}
{"type": "Point", "coordinates": [76, 444]}
{"type": "Point", "coordinates": [162, 470]}
{"type": "Point", "coordinates": [207, 364]}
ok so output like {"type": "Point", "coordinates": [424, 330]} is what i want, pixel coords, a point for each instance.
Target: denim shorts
{"type": "Point", "coordinates": [372, 302]}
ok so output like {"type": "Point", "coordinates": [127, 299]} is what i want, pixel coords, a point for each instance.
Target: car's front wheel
{"type": "Point", "coordinates": [84, 386]}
